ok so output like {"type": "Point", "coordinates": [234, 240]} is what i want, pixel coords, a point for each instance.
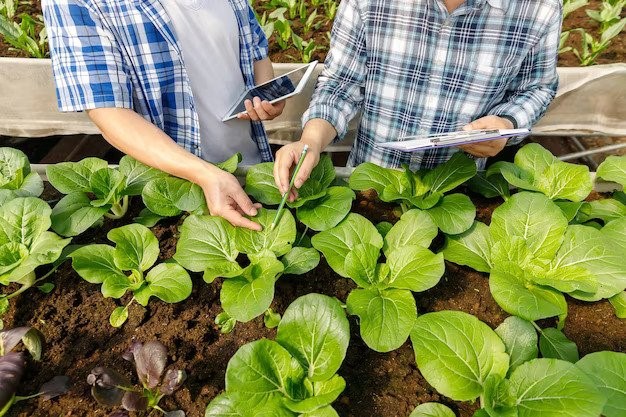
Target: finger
{"type": "Point", "coordinates": [258, 206]}
{"type": "Point", "coordinates": [236, 219]}
{"type": "Point", "coordinates": [243, 116]}
{"type": "Point", "coordinates": [305, 170]}
{"type": "Point", "coordinates": [242, 200]}
{"type": "Point", "coordinates": [258, 108]}
{"type": "Point", "coordinates": [251, 111]}
{"type": "Point", "coordinates": [284, 170]}
{"type": "Point", "coordinates": [271, 109]}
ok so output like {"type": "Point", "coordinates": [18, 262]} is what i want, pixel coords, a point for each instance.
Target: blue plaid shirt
{"type": "Point", "coordinates": [413, 68]}
{"type": "Point", "coordinates": [124, 53]}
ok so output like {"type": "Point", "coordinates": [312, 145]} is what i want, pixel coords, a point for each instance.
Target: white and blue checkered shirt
{"type": "Point", "coordinates": [413, 68]}
{"type": "Point", "coordinates": [124, 53]}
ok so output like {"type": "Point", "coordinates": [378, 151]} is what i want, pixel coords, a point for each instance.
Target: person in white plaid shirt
{"type": "Point", "coordinates": [122, 62]}
{"type": "Point", "coordinates": [427, 67]}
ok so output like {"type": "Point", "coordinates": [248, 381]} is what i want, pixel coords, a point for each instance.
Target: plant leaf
{"type": "Point", "coordinates": [94, 263]}
{"type": "Point", "coordinates": [414, 268]}
{"type": "Point", "coordinates": [137, 175]}
{"type": "Point", "coordinates": [171, 196]}
{"type": "Point", "coordinates": [489, 186]}
{"type": "Point", "coordinates": [72, 177]}
{"type": "Point", "coordinates": [328, 211]}
{"type": "Point", "coordinates": [230, 165]}
{"type": "Point", "coordinates": [118, 316]}
{"type": "Point", "coordinates": [450, 174]}
{"type": "Point", "coordinates": [150, 360]}
{"type": "Point", "coordinates": [74, 214]}
{"type": "Point", "coordinates": [471, 248]}
{"type": "Point", "coordinates": [520, 339]}
{"type": "Point", "coordinates": [619, 304]}
{"type": "Point", "coordinates": [453, 214]}
{"type": "Point", "coordinates": [172, 380]}
{"type": "Point", "coordinates": [608, 372]}
{"type": "Point", "coordinates": [106, 184]}
{"type": "Point", "coordinates": [456, 352]}
{"type": "Point", "coordinates": [248, 296]}
{"type": "Point", "coordinates": [300, 260]}
{"type": "Point", "coordinates": [554, 344]}
{"type": "Point", "coordinates": [386, 316]}
{"type": "Point", "coordinates": [360, 264]}
{"type": "Point", "coordinates": [513, 290]}
{"type": "Point", "coordinates": [337, 242]}
{"type": "Point", "coordinates": [613, 169]}
{"type": "Point", "coordinates": [55, 387]}
{"type": "Point", "coordinates": [206, 243]}
{"type": "Point", "coordinates": [261, 185]}
{"type": "Point", "coordinates": [23, 220]}
{"type": "Point", "coordinates": [415, 228]}
{"type": "Point", "coordinates": [432, 410]}
{"type": "Point", "coordinates": [133, 401]}
{"type": "Point", "coordinates": [278, 240]}
{"type": "Point", "coordinates": [105, 383]}
{"type": "Point", "coordinates": [325, 392]}
{"type": "Point", "coordinates": [136, 247]}
{"type": "Point", "coordinates": [12, 367]}
{"type": "Point", "coordinates": [168, 282]}
{"type": "Point", "coordinates": [368, 176]}
{"type": "Point", "coordinates": [315, 330]}
{"type": "Point", "coordinates": [547, 387]}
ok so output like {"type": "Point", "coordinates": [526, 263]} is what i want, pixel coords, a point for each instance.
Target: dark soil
{"type": "Point", "coordinates": [74, 319]}
{"type": "Point", "coordinates": [320, 35]}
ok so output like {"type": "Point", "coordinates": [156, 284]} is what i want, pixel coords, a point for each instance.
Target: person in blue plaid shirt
{"type": "Point", "coordinates": [428, 67]}
{"type": "Point", "coordinates": [158, 76]}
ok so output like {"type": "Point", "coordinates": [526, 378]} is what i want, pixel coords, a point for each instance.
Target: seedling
{"type": "Point", "coordinates": [95, 191]}
{"type": "Point", "coordinates": [111, 388]}
{"type": "Point", "coordinates": [452, 213]}
{"type": "Point", "coordinates": [383, 301]}
{"type": "Point", "coordinates": [123, 268]}
{"type": "Point", "coordinates": [296, 375]}
{"type": "Point", "coordinates": [12, 366]}
{"type": "Point", "coordinates": [16, 178]}
{"type": "Point", "coordinates": [25, 244]}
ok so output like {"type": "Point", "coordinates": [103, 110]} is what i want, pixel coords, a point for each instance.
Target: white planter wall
{"type": "Point", "coordinates": [590, 100]}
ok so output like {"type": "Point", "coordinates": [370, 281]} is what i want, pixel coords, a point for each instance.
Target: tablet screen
{"type": "Point", "coordinates": [272, 90]}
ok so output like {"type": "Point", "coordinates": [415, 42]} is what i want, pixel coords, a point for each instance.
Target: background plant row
{"type": "Point", "coordinates": [299, 30]}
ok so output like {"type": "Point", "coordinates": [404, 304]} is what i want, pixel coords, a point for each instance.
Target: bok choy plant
{"type": "Point", "coordinates": [95, 191]}
{"type": "Point", "coordinates": [319, 205]}
{"type": "Point", "coordinates": [16, 178]}
{"type": "Point", "coordinates": [452, 213]}
{"type": "Point", "coordinates": [294, 376]}
{"type": "Point", "coordinates": [110, 388]}
{"type": "Point", "coordinates": [464, 359]}
{"type": "Point", "coordinates": [25, 244]}
{"type": "Point", "coordinates": [212, 245]}
{"type": "Point", "coordinates": [383, 301]}
{"type": "Point", "coordinates": [13, 364]}
{"type": "Point", "coordinates": [125, 268]}
{"type": "Point", "coordinates": [533, 256]}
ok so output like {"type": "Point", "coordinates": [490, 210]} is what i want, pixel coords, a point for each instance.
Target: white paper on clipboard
{"type": "Point", "coordinates": [461, 137]}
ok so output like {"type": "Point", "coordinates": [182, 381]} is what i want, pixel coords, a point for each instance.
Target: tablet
{"type": "Point", "coordinates": [274, 90]}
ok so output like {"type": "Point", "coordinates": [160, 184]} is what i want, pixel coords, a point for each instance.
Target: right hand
{"type": "Point", "coordinates": [286, 160]}
{"type": "Point", "coordinates": [225, 198]}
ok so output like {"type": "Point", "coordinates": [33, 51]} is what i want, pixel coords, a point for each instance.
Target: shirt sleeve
{"type": "Point", "coordinates": [339, 92]}
{"type": "Point", "coordinates": [260, 48]}
{"type": "Point", "coordinates": [87, 64]}
{"type": "Point", "coordinates": [535, 85]}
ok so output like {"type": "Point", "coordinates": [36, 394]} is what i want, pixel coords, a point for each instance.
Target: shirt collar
{"type": "Point", "coordinates": [499, 4]}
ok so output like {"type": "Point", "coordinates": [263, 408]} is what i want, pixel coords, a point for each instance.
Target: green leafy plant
{"type": "Point", "coordinates": [383, 301]}
{"type": "Point", "coordinates": [533, 257]}
{"type": "Point", "coordinates": [464, 359]}
{"type": "Point", "coordinates": [319, 205]}
{"type": "Point", "coordinates": [294, 376]}
{"type": "Point", "coordinates": [453, 213]}
{"type": "Point", "coordinates": [432, 410]}
{"type": "Point", "coordinates": [125, 268]}
{"type": "Point", "coordinates": [110, 388]}
{"type": "Point", "coordinates": [29, 35]}
{"type": "Point", "coordinates": [13, 365]}
{"type": "Point", "coordinates": [94, 190]}
{"type": "Point", "coordinates": [16, 178]}
{"type": "Point", "coordinates": [608, 371]}
{"type": "Point", "coordinates": [591, 48]}
{"type": "Point", "coordinates": [25, 244]}
{"type": "Point", "coordinates": [212, 245]}
{"type": "Point", "coordinates": [609, 14]}
{"type": "Point", "coordinates": [305, 48]}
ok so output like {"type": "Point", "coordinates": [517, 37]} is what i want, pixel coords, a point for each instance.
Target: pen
{"type": "Point", "coordinates": [286, 194]}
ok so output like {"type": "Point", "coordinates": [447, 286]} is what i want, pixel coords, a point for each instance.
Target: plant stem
{"type": "Point", "coordinates": [118, 210]}
{"type": "Point", "coordinates": [25, 287]}
{"type": "Point", "coordinates": [302, 235]}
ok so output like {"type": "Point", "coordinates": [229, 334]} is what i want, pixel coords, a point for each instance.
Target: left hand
{"type": "Point", "coordinates": [491, 147]}
{"type": "Point", "coordinates": [261, 110]}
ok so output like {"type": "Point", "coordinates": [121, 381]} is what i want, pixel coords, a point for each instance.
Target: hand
{"type": "Point", "coordinates": [286, 160]}
{"type": "Point", "coordinates": [225, 198]}
{"type": "Point", "coordinates": [261, 110]}
{"type": "Point", "coordinates": [491, 147]}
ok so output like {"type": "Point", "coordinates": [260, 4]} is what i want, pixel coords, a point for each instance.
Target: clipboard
{"type": "Point", "coordinates": [443, 140]}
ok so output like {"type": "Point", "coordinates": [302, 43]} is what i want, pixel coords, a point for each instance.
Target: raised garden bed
{"type": "Point", "coordinates": [74, 318]}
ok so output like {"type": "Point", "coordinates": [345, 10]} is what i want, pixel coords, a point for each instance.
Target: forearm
{"type": "Point", "coordinates": [318, 133]}
{"type": "Point", "coordinates": [263, 71]}
{"type": "Point", "coordinates": [132, 134]}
